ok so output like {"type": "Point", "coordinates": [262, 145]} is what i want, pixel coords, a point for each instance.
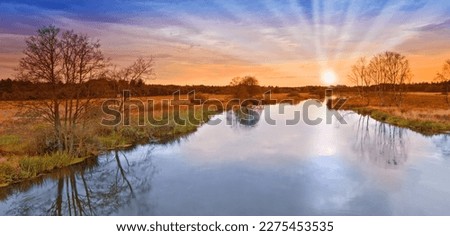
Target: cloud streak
{"type": "Point", "coordinates": [212, 41]}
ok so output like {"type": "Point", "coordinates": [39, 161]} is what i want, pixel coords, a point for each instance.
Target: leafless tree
{"type": "Point", "coordinates": [65, 62]}
{"type": "Point", "coordinates": [397, 74]}
{"type": "Point", "coordinates": [129, 79]}
{"type": "Point", "coordinates": [359, 76]}
{"type": "Point", "coordinates": [134, 75]}
{"type": "Point", "coordinates": [377, 76]}
{"type": "Point", "coordinates": [386, 74]}
{"type": "Point", "coordinates": [42, 64]}
{"type": "Point", "coordinates": [82, 61]}
{"type": "Point", "coordinates": [444, 77]}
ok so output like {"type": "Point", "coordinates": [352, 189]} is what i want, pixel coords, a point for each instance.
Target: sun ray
{"type": "Point", "coordinates": [294, 32]}
{"type": "Point", "coordinates": [346, 29]}
{"type": "Point", "coordinates": [374, 30]}
{"type": "Point", "coordinates": [317, 32]}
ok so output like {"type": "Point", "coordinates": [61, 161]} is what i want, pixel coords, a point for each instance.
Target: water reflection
{"type": "Point", "coordinates": [76, 202]}
{"type": "Point", "coordinates": [84, 189]}
{"type": "Point", "coordinates": [363, 167]}
{"type": "Point", "coordinates": [244, 116]}
{"type": "Point", "coordinates": [380, 143]}
{"type": "Point", "coordinates": [443, 144]}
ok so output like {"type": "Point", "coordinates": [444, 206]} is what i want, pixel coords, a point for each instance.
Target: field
{"type": "Point", "coordinates": [25, 138]}
{"type": "Point", "coordinates": [427, 113]}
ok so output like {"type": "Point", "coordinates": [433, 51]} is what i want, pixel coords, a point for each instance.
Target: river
{"type": "Point", "coordinates": [242, 167]}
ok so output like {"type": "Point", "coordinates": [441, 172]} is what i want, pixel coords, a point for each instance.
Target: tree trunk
{"type": "Point", "coordinates": [446, 92]}
{"type": "Point", "coordinates": [57, 125]}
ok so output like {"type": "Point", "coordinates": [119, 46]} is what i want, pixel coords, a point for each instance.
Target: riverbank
{"type": "Point", "coordinates": [425, 127]}
{"type": "Point", "coordinates": [23, 140]}
{"type": "Point", "coordinates": [426, 113]}
{"type": "Point", "coordinates": [19, 166]}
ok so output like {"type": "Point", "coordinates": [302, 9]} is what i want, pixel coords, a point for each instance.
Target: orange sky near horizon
{"type": "Point", "coordinates": [280, 44]}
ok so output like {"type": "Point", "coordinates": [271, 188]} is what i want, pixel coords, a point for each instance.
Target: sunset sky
{"type": "Point", "coordinates": [284, 43]}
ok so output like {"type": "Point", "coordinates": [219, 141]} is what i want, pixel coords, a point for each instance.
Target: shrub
{"type": "Point", "coordinates": [198, 99]}
{"type": "Point", "coordinates": [33, 166]}
{"type": "Point", "coordinates": [7, 173]}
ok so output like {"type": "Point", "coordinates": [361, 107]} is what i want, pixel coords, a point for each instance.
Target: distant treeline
{"type": "Point", "coordinates": [103, 88]}
{"type": "Point", "coordinates": [433, 87]}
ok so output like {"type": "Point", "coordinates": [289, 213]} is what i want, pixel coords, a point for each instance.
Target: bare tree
{"type": "Point", "coordinates": [134, 75]}
{"type": "Point", "coordinates": [359, 76]}
{"type": "Point", "coordinates": [65, 62]}
{"type": "Point", "coordinates": [82, 61]}
{"type": "Point", "coordinates": [377, 76]}
{"type": "Point", "coordinates": [129, 80]}
{"type": "Point", "coordinates": [397, 74]}
{"type": "Point", "coordinates": [444, 77]}
{"type": "Point", "coordinates": [390, 71]}
{"type": "Point", "coordinates": [42, 64]}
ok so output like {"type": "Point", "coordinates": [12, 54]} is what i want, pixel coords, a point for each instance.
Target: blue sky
{"type": "Point", "coordinates": [281, 42]}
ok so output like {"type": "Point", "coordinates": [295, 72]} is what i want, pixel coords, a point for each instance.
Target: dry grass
{"type": "Point", "coordinates": [419, 109]}
{"type": "Point", "coordinates": [23, 138]}
{"type": "Point", "coordinates": [411, 100]}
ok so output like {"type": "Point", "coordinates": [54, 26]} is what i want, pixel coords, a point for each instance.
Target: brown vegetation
{"type": "Point", "coordinates": [444, 78]}
{"type": "Point", "coordinates": [383, 83]}
{"type": "Point", "coordinates": [427, 113]}
{"type": "Point", "coordinates": [24, 136]}
{"type": "Point", "coordinates": [386, 75]}
{"type": "Point", "coordinates": [51, 114]}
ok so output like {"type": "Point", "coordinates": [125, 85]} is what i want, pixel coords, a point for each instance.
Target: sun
{"type": "Point", "coordinates": [328, 77]}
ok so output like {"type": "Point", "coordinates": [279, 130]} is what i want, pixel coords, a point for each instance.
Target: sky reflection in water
{"type": "Point", "coordinates": [360, 168]}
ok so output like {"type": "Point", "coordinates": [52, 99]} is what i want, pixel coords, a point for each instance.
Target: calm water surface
{"type": "Point", "coordinates": [363, 167]}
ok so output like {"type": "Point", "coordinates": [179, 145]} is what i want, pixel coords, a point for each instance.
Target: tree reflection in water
{"type": "Point", "coordinates": [442, 143]}
{"type": "Point", "coordinates": [380, 143]}
{"type": "Point", "coordinates": [244, 117]}
{"type": "Point", "coordinates": [88, 190]}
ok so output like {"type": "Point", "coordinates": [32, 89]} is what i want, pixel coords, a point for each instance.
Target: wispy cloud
{"type": "Point", "coordinates": [436, 26]}
{"type": "Point", "coordinates": [212, 41]}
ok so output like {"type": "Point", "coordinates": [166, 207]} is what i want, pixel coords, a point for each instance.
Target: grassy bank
{"type": "Point", "coordinates": [27, 149]}
{"type": "Point", "coordinates": [421, 126]}
{"type": "Point", "coordinates": [17, 164]}
{"type": "Point", "coordinates": [18, 168]}
{"type": "Point", "coordinates": [426, 113]}
{"type": "Point", "coordinates": [23, 142]}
